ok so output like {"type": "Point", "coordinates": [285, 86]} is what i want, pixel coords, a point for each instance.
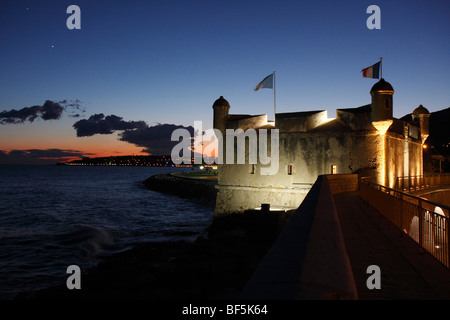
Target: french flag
{"type": "Point", "coordinates": [372, 71]}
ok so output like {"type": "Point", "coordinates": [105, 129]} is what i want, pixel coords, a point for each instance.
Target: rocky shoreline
{"type": "Point", "coordinates": [215, 266]}
{"type": "Point", "coordinates": [201, 189]}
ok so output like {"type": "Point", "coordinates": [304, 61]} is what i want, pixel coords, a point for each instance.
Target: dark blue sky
{"type": "Point", "coordinates": [166, 61]}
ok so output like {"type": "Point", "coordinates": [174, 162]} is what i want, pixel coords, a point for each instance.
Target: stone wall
{"type": "Point", "coordinates": [309, 259]}
{"type": "Point", "coordinates": [237, 199]}
{"type": "Point", "coordinates": [202, 190]}
{"type": "Point", "coordinates": [403, 158]}
{"type": "Point", "coordinates": [343, 183]}
{"type": "Point", "coordinates": [303, 156]}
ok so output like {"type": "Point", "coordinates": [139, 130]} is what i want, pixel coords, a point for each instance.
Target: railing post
{"type": "Point", "coordinates": [401, 212]}
{"type": "Point", "coordinates": [421, 217]}
{"type": "Point", "coordinates": [447, 242]}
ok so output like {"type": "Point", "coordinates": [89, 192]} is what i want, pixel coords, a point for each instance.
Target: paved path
{"type": "Point", "coordinates": [407, 272]}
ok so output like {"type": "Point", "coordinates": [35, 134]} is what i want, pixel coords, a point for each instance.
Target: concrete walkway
{"type": "Point", "coordinates": [407, 272]}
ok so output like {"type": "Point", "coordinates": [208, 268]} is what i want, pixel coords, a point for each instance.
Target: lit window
{"type": "Point", "coordinates": [334, 169]}
{"type": "Point", "coordinates": [289, 169]}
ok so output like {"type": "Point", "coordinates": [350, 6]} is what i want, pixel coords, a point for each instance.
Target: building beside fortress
{"type": "Point", "coordinates": [366, 140]}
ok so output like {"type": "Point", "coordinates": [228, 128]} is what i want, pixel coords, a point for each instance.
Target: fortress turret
{"type": "Point", "coordinates": [381, 106]}
{"type": "Point", "coordinates": [382, 94]}
{"type": "Point", "coordinates": [423, 116]}
{"type": "Point", "coordinates": [221, 108]}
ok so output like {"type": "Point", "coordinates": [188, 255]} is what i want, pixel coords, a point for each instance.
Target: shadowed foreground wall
{"type": "Point", "coordinates": [309, 259]}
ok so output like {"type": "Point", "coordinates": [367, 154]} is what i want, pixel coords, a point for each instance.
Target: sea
{"type": "Point", "coordinates": [55, 216]}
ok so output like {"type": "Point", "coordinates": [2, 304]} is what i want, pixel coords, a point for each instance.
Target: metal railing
{"type": "Point", "coordinates": [414, 183]}
{"type": "Point", "coordinates": [415, 216]}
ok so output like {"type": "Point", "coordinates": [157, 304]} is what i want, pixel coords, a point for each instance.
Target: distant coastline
{"type": "Point", "coordinates": [132, 160]}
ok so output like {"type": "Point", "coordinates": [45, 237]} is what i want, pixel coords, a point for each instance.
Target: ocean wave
{"type": "Point", "coordinates": [56, 216]}
{"type": "Point", "coordinates": [87, 240]}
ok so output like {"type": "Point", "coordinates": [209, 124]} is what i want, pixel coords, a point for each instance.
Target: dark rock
{"type": "Point", "coordinates": [202, 190]}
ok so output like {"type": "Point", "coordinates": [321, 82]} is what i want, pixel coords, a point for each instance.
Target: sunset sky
{"type": "Point", "coordinates": [113, 86]}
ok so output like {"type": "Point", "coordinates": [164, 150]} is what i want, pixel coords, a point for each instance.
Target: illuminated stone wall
{"type": "Point", "coordinates": [303, 157]}
{"type": "Point", "coordinates": [404, 152]}
{"type": "Point", "coordinates": [364, 140]}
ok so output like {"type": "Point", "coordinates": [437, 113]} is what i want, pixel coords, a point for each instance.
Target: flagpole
{"type": "Point", "coordinates": [274, 99]}
{"type": "Point", "coordinates": [381, 67]}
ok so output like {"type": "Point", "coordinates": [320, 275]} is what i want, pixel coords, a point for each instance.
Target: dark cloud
{"type": "Point", "coordinates": [39, 156]}
{"type": "Point", "coordinates": [48, 111]}
{"type": "Point", "coordinates": [156, 139]}
{"type": "Point", "coordinates": [51, 110]}
{"type": "Point", "coordinates": [20, 116]}
{"type": "Point", "coordinates": [99, 124]}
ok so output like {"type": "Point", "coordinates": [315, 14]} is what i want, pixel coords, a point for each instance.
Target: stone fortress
{"type": "Point", "coordinates": [366, 140]}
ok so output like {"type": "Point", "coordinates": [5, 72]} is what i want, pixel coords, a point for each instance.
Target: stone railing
{"type": "Point", "coordinates": [309, 259]}
{"type": "Point", "coordinates": [414, 183]}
